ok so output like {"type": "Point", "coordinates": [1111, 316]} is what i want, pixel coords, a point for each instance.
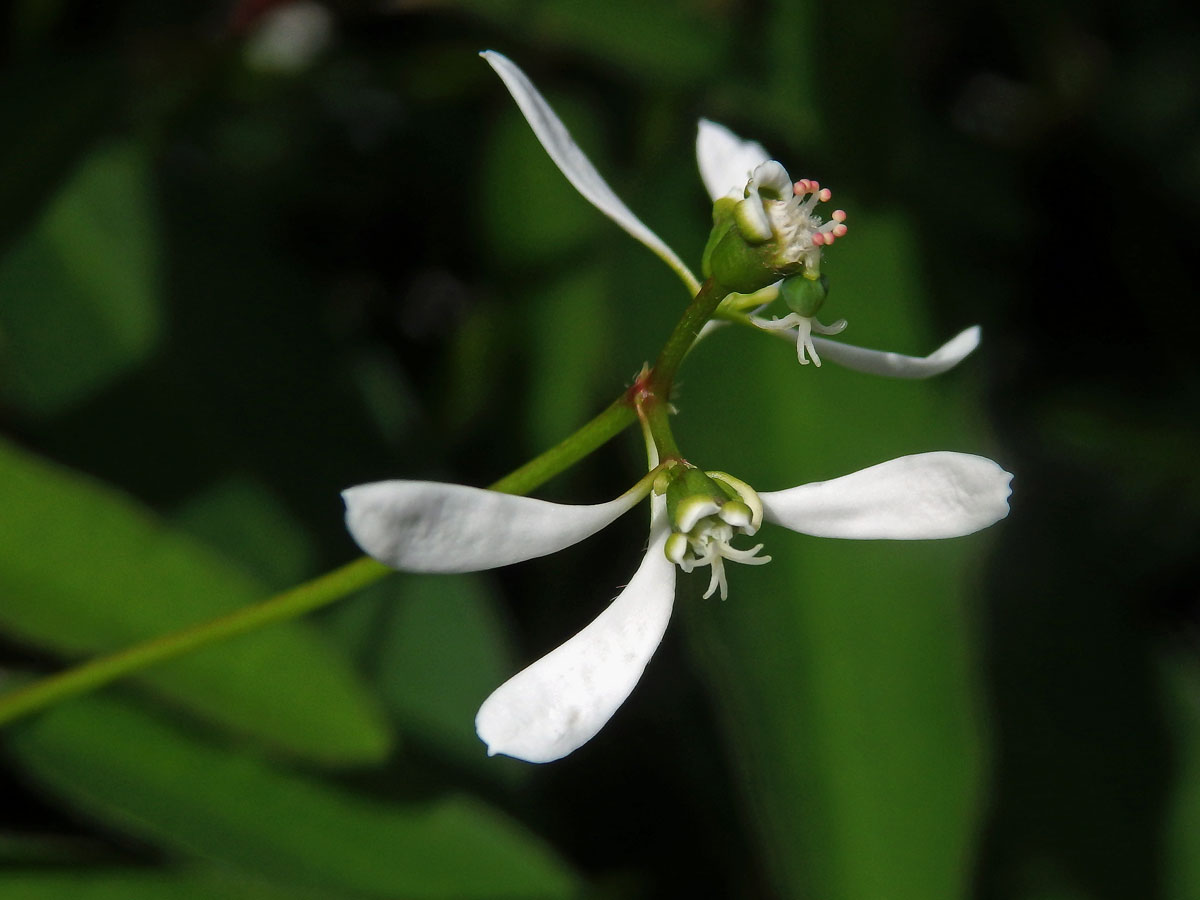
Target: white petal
{"type": "Point", "coordinates": [560, 702]}
{"type": "Point", "coordinates": [725, 160]}
{"type": "Point", "coordinates": [897, 365]}
{"type": "Point", "coordinates": [428, 526]}
{"type": "Point", "coordinates": [929, 495]}
{"type": "Point", "coordinates": [571, 160]}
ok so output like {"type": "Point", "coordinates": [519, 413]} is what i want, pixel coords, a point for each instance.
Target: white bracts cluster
{"type": "Point", "coordinates": [776, 208]}
{"type": "Point", "coordinates": [705, 527]}
{"type": "Point", "coordinates": [562, 700]}
{"type": "Point", "coordinates": [726, 164]}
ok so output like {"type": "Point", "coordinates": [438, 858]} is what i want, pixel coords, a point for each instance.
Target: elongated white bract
{"type": "Point", "coordinates": [920, 497]}
{"type": "Point", "coordinates": [428, 526]}
{"type": "Point", "coordinates": [573, 163]}
{"type": "Point", "coordinates": [725, 160]}
{"type": "Point", "coordinates": [897, 365]}
{"type": "Point", "coordinates": [560, 702]}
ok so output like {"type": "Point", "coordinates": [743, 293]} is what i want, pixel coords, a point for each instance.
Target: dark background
{"type": "Point", "coordinates": [232, 284]}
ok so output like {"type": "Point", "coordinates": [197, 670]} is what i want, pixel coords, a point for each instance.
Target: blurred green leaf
{"type": "Point", "coordinates": [137, 884]}
{"type": "Point", "coordinates": [242, 518]}
{"type": "Point", "coordinates": [533, 213]}
{"type": "Point", "coordinates": [85, 570]}
{"type": "Point", "coordinates": [17, 849]}
{"type": "Point", "coordinates": [671, 40]}
{"type": "Point", "coordinates": [55, 108]}
{"type": "Point", "coordinates": [442, 651]}
{"type": "Point", "coordinates": [128, 769]}
{"type": "Point", "coordinates": [81, 290]}
{"type": "Point", "coordinates": [570, 325]}
{"type": "Point", "coordinates": [843, 669]}
{"type": "Point", "coordinates": [1181, 679]}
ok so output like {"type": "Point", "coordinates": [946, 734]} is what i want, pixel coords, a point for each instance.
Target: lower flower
{"type": "Point", "coordinates": [562, 700]}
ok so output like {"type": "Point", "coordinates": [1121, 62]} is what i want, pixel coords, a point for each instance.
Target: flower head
{"type": "Point", "coordinates": [562, 700]}
{"type": "Point", "coordinates": [770, 230]}
{"type": "Point", "coordinates": [728, 166]}
{"type": "Point", "coordinates": [707, 510]}
{"type": "Point", "coordinates": [773, 232]}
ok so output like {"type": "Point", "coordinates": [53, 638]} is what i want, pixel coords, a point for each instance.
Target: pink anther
{"type": "Point", "coordinates": [839, 215]}
{"type": "Point", "coordinates": [820, 238]}
{"type": "Point", "coordinates": [826, 195]}
{"type": "Point", "coordinates": [839, 230]}
{"type": "Point", "coordinates": [801, 187]}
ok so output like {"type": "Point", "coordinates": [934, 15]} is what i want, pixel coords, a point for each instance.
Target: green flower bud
{"type": "Point", "coordinates": [676, 548]}
{"type": "Point", "coordinates": [804, 294]}
{"type": "Point", "coordinates": [739, 264]}
{"type": "Point", "coordinates": [691, 496]}
{"type": "Point", "coordinates": [707, 511]}
{"type": "Point", "coordinates": [772, 233]}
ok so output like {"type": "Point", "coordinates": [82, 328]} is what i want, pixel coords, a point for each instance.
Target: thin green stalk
{"type": "Point", "coordinates": [658, 423]}
{"type": "Point", "coordinates": [651, 395]}
{"type": "Point", "coordinates": [616, 418]}
{"type": "Point", "coordinates": [305, 598]}
{"type": "Point", "coordinates": [701, 309]}
{"type": "Point", "coordinates": [98, 672]}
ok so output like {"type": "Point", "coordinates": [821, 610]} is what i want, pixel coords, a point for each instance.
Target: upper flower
{"type": "Point", "coordinates": [707, 510]}
{"type": "Point", "coordinates": [562, 700]}
{"type": "Point", "coordinates": [772, 232]}
{"type": "Point", "coordinates": [730, 168]}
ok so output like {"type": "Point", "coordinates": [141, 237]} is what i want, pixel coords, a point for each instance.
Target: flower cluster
{"type": "Point", "coordinates": [707, 509]}
{"type": "Point", "coordinates": [767, 237]}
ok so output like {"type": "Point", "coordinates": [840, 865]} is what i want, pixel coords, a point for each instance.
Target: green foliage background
{"type": "Point", "coordinates": [228, 292]}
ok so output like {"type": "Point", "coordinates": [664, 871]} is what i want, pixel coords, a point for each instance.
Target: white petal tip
{"type": "Point", "coordinates": [897, 365]}
{"type": "Point", "coordinates": [725, 160]}
{"type": "Point", "coordinates": [926, 496]}
{"type": "Point", "coordinates": [426, 526]}
{"type": "Point", "coordinates": [557, 704]}
{"type": "Point", "coordinates": [963, 344]}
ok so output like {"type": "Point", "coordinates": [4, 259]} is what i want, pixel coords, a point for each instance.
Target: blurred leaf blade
{"type": "Point", "coordinates": [82, 289]}
{"type": "Point", "coordinates": [85, 570]}
{"type": "Point", "coordinates": [130, 770]}
{"type": "Point", "coordinates": [840, 647]}
{"type": "Point", "coordinates": [54, 109]}
{"type": "Point", "coordinates": [1181, 683]}
{"type": "Point", "coordinates": [117, 883]}
{"type": "Point", "coordinates": [674, 41]}
{"type": "Point", "coordinates": [442, 650]}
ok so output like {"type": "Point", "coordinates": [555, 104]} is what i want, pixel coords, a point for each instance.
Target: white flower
{"type": "Point", "coordinates": [562, 700]}
{"type": "Point", "coordinates": [727, 164]}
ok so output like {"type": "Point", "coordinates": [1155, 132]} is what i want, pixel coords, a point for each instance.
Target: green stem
{"type": "Point", "coordinates": [98, 672]}
{"type": "Point", "coordinates": [616, 418]}
{"type": "Point", "coordinates": [652, 393]}
{"type": "Point", "coordinates": [658, 423]}
{"type": "Point", "coordinates": [305, 598]}
{"type": "Point", "coordinates": [651, 396]}
{"type": "Point", "coordinates": [701, 309]}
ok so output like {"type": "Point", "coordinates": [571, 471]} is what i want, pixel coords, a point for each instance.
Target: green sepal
{"type": "Point", "coordinates": [804, 295]}
{"type": "Point", "coordinates": [690, 483]}
{"type": "Point", "coordinates": [722, 221]}
{"type": "Point", "coordinates": [738, 264]}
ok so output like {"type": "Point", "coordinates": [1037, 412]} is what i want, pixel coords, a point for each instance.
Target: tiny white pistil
{"type": "Point", "coordinates": [805, 326]}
